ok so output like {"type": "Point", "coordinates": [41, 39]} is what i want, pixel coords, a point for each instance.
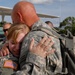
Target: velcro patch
{"type": "Point", "coordinates": [10, 64]}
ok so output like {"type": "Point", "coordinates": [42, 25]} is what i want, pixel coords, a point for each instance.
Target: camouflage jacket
{"type": "Point", "coordinates": [8, 64]}
{"type": "Point", "coordinates": [31, 64]}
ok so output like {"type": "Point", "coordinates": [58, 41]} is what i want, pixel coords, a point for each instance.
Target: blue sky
{"type": "Point", "coordinates": [62, 8]}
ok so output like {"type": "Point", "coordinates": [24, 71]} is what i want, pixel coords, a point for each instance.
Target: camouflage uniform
{"type": "Point", "coordinates": [31, 64]}
{"type": "Point", "coordinates": [8, 64]}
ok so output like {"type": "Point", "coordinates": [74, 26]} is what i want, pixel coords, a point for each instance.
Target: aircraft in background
{"type": "Point", "coordinates": [6, 11]}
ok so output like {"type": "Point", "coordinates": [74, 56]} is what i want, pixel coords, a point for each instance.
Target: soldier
{"type": "Point", "coordinates": [31, 63]}
{"type": "Point", "coordinates": [16, 33]}
{"type": "Point", "coordinates": [9, 63]}
{"type": "Point", "coordinates": [24, 12]}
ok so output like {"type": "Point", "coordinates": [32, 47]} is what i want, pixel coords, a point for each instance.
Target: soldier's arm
{"type": "Point", "coordinates": [4, 50]}
{"type": "Point", "coordinates": [35, 61]}
{"type": "Point", "coordinates": [33, 66]}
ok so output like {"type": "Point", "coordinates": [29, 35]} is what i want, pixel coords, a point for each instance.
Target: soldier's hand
{"type": "Point", "coordinates": [42, 47]}
{"type": "Point", "coordinates": [4, 51]}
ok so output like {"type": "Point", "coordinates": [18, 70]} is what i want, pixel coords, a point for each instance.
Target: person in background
{"type": "Point", "coordinates": [6, 26]}
{"type": "Point", "coordinates": [16, 33]}
{"type": "Point", "coordinates": [49, 23]}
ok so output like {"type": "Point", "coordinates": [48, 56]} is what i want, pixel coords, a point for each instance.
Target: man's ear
{"type": "Point", "coordinates": [20, 17]}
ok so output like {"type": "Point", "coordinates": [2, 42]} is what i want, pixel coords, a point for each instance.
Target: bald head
{"type": "Point", "coordinates": [24, 12]}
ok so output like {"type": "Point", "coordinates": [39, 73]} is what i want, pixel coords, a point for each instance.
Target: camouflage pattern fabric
{"type": "Point", "coordinates": [31, 64]}
{"type": "Point", "coordinates": [6, 70]}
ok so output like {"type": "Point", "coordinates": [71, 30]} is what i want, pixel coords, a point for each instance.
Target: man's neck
{"type": "Point", "coordinates": [31, 22]}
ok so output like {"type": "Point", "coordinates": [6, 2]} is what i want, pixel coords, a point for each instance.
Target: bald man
{"type": "Point", "coordinates": [24, 12]}
{"type": "Point", "coordinates": [31, 63]}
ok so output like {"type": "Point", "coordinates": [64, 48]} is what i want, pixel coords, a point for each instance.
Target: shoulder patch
{"type": "Point", "coordinates": [10, 64]}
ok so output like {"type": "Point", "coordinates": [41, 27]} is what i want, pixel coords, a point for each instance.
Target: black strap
{"type": "Point", "coordinates": [63, 50]}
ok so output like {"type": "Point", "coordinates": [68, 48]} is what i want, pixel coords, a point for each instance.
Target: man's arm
{"type": "Point", "coordinates": [34, 66]}
{"type": "Point", "coordinates": [35, 61]}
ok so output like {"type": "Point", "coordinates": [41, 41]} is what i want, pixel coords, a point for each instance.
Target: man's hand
{"type": "Point", "coordinates": [4, 51]}
{"type": "Point", "coordinates": [42, 47]}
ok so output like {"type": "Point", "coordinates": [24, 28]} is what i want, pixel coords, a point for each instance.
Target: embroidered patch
{"type": "Point", "coordinates": [10, 64]}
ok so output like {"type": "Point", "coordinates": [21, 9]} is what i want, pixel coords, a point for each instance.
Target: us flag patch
{"type": "Point", "coordinates": [10, 64]}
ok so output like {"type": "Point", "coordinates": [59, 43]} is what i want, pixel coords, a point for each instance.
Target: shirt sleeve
{"type": "Point", "coordinates": [34, 65]}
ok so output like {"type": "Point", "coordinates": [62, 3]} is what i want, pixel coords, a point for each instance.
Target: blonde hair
{"type": "Point", "coordinates": [15, 30]}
